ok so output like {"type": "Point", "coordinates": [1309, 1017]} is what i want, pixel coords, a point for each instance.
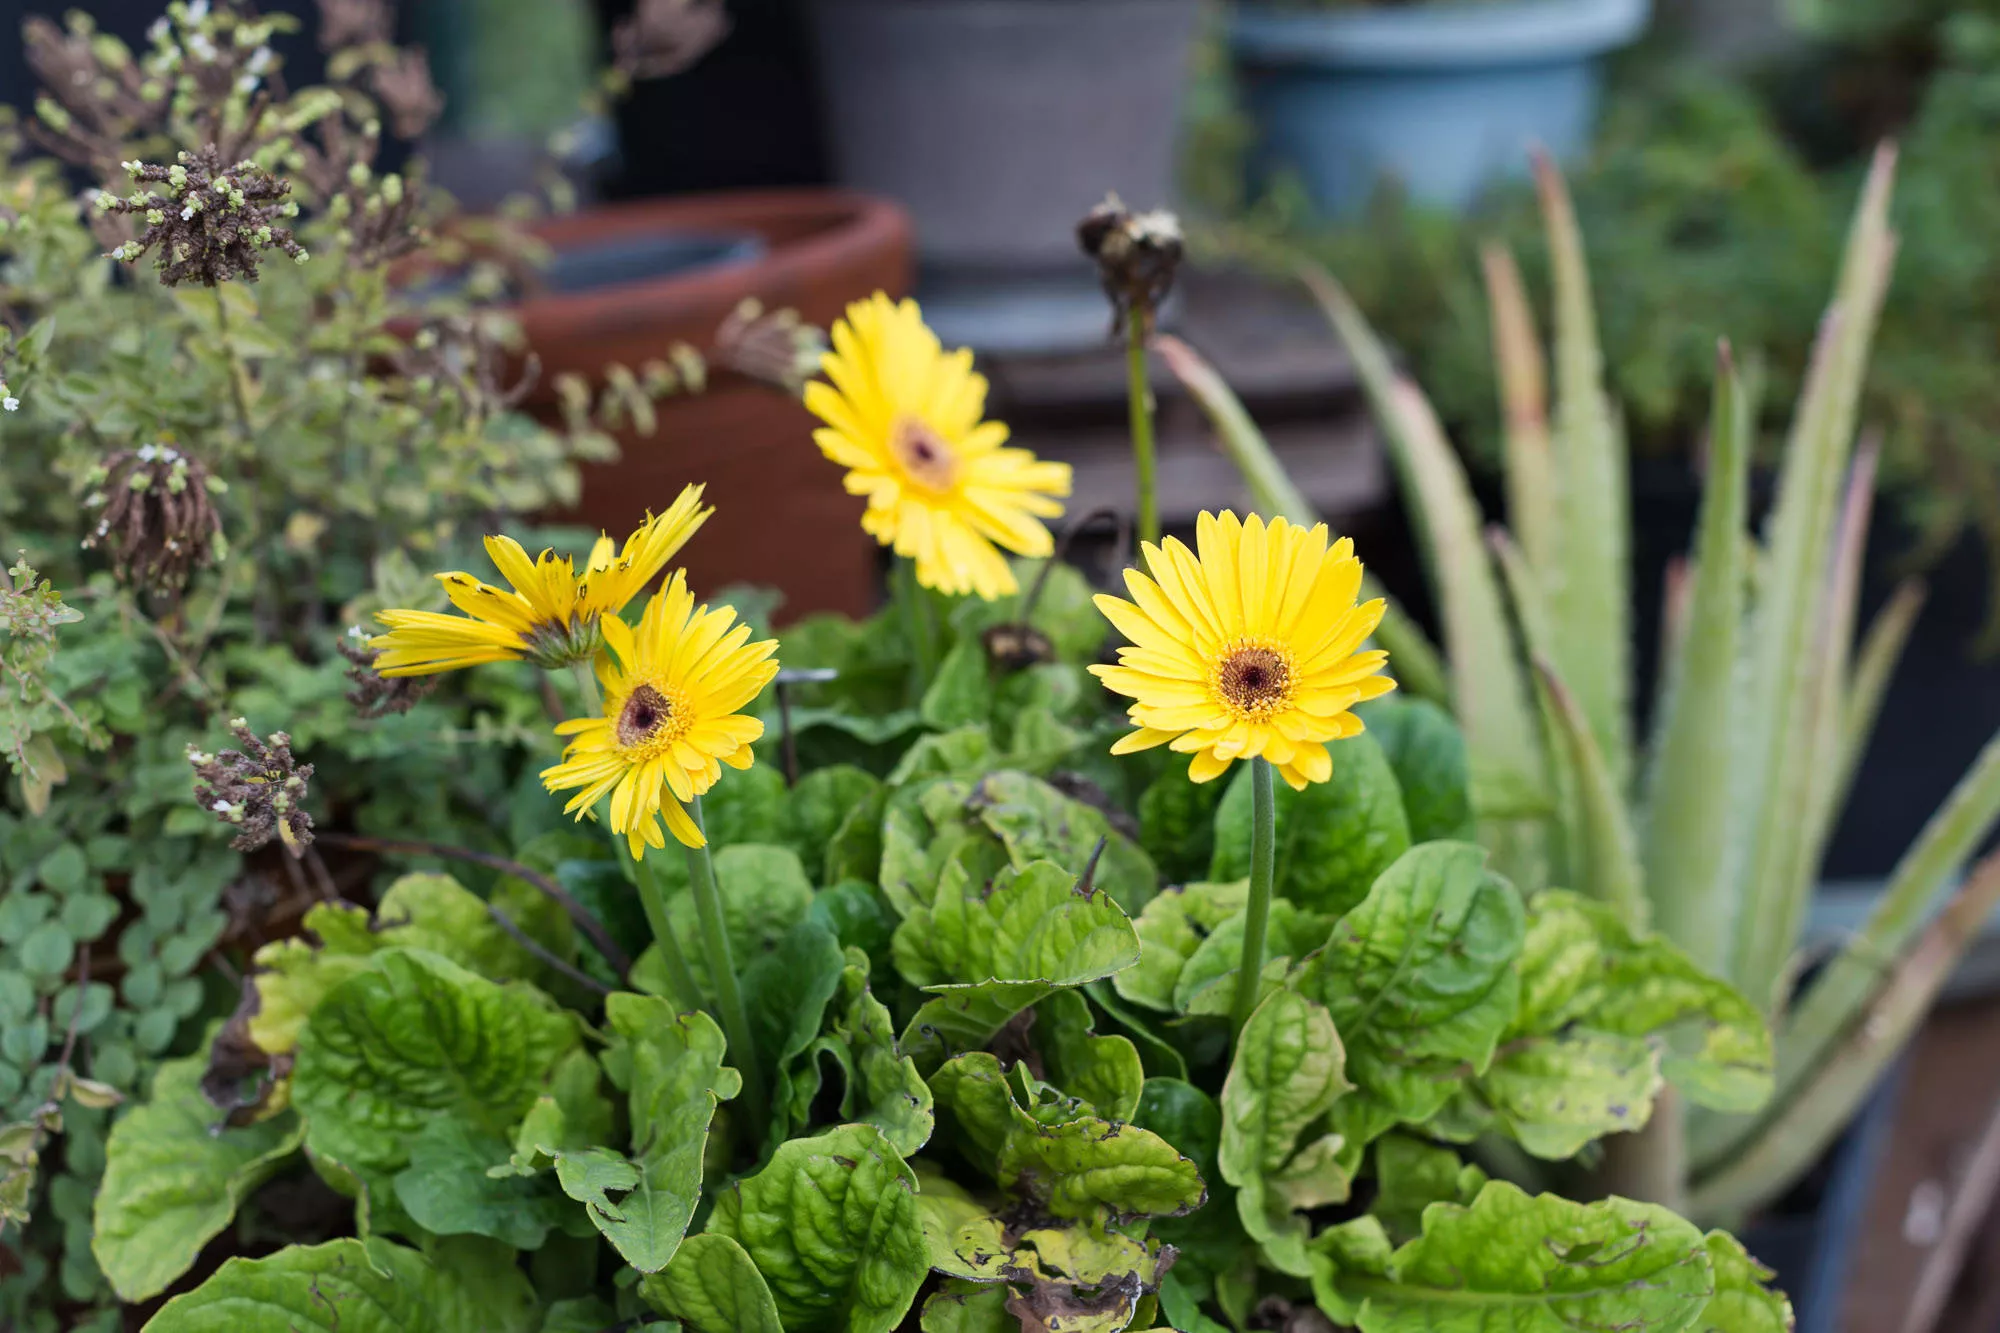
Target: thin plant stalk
{"type": "Point", "coordinates": [1263, 858]}
{"type": "Point", "coordinates": [920, 624]}
{"type": "Point", "coordinates": [687, 994]}
{"type": "Point", "coordinates": [722, 970]}
{"type": "Point", "coordinates": [1139, 391]}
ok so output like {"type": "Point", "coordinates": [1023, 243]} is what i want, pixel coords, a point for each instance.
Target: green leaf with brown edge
{"type": "Point", "coordinates": [353, 1286]}
{"type": "Point", "coordinates": [415, 1036]}
{"type": "Point", "coordinates": [714, 1286]}
{"type": "Point", "coordinates": [174, 1177]}
{"type": "Point", "coordinates": [831, 1223]}
{"type": "Point", "coordinates": [1420, 983]}
{"type": "Point", "coordinates": [1333, 839]}
{"type": "Point", "coordinates": [1284, 1077]}
{"type": "Point", "coordinates": [1529, 1263]}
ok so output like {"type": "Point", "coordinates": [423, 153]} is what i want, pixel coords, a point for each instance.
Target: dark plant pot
{"type": "Point", "coordinates": [1810, 1237]}
{"type": "Point", "coordinates": [997, 124]}
{"type": "Point", "coordinates": [631, 280]}
{"type": "Point", "coordinates": [1443, 98]}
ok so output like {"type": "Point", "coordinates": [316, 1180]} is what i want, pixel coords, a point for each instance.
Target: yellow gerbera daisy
{"type": "Point", "coordinates": [671, 691]}
{"type": "Point", "coordinates": [903, 417]}
{"type": "Point", "coordinates": [1249, 649]}
{"type": "Point", "coordinates": [551, 615]}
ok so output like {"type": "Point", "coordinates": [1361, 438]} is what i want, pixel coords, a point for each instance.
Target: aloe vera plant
{"type": "Point", "coordinates": [1711, 830]}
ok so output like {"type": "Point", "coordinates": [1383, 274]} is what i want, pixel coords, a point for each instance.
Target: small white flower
{"type": "Point", "coordinates": [246, 83]}
{"type": "Point", "coordinates": [197, 10]}
{"type": "Point", "coordinates": [187, 212]}
{"type": "Point", "coordinates": [148, 452]}
{"type": "Point", "coordinates": [356, 633]}
{"type": "Point", "coordinates": [11, 403]}
{"type": "Point", "coordinates": [260, 60]}
{"type": "Point", "coordinates": [221, 807]}
{"type": "Point", "coordinates": [159, 29]}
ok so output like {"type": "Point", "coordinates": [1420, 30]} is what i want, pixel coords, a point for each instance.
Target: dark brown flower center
{"type": "Point", "coordinates": [646, 711]}
{"type": "Point", "coordinates": [925, 455]}
{"type": "Point", "coordinates": [1254, 679]}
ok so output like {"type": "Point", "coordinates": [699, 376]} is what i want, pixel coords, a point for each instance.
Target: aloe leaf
{"type": "Point", "coordinates": [1589, 579]}
{"type": "Point", "coordinates": [1488, 691]}
{"type": "Point", "coordinates": [1417, 668]}
{"type": "Point", "coordinates": [1831, 1007]}
{"type": "Point", "coordinates": [1686, 813]}
{"type": "Point", "coordinates": [1606, 857]}
{"type": "Point", "coordinates": [1824, 1098]}
{"type": "Point", "coordinates": [1775, 767]}
{"type": "Point", "coordinates": [1524, 405]}
{"type": "Point", "coordinates": [1875, 662]}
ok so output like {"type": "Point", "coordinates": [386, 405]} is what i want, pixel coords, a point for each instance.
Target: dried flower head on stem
{"type": "Point", "coordinates": [207, 222]}
{"type": "Point", "coordinates": [260, 789]}
{"type": "Point", "coordinates": [155, 516]}
{"type": "Point", "coordinates": [1137, 256]}
{"type": "Point", "coordinates": [774, 346]}
{"type": "Point", "coordinates": [374, 694]}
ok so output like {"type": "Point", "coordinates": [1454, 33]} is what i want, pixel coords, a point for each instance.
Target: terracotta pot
{"type": "Point", "coordinates": [782, 519]}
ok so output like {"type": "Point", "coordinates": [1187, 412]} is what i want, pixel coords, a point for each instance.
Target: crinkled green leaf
{"type": "Point", "coordinates": [1104, 1071]}
{"type": "Point", "coordinates": [447, 1188]}
{"type": "Point", "coordinates": [432, 912]}
{"type": "Point", "coordinates": [713, 1285]}
{"type": "Point", "coordinates": [1285, 1076]}
{"type": "Point", "coordinates": [1036, 822]}
{"type": "Point", "coordinates": [352, 1286]}
{"type": "Point", "coordinates": [962, 753]}
{"type": "Point", "coordinates": [883, 1088]}
{"type": "Point", "coordinates": [1529, 1264]}
{"type": "Point", "coordinates": [1742, 1302]}
{"type": "Point", "coordinates": [1420, 983]}
{"type": "Point", "coordinates": [961, 693]}
{"type": "Point", "coordinates": [1426, 750]}
{"type": "Point", "coordinates": [676, 1077]}
{"type": "Point", "coordinates": [1171, 929]}
{"type": "Point", "coordinates": [966, 1307]}
{"type": "Point", "coordinates": [786, 992]}
{"type": "Point", "coordinates": [1556, 1094]}
{"type": "Point", "coordinates": [1051, 1150]}
{"type": "Point", "coordinates": [819, 806]}
{"type": "Point", "coordinates": [173, 1178]}
{"type": "Point", "coordinates": [832, 1225]}
{"type": "Point", "coordinates": [985, 955]}
{"type": "Point", "coordinates": [1411, 1175]}
{"type": "Point", "coordinates": [415, 1036]}
{"type": "Point", "coordinates": [856, 913]}
{"type": "Point", "coordinates": [1333, 839]}
{"type": "Point", "coordinates": [1207, 983]}
{"type": "Point", "coordinates": [925, 828]}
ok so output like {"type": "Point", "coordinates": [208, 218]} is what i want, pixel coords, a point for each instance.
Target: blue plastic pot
{"type": "Point", "coordinates": [1442, 97]}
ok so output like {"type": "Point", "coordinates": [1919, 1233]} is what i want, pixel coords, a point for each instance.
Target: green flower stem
{"type": "Point", "coordinates": [1263, 869]}
{"type": "Point", "coordinates": [687, 994]}
{"type": "Point", "coordinates": [722, 971]}
{"type": "Point", "coordinates": [920, 623]}
{"type": "Point", "coordinates": [1140, 393]}
{"type": "Point", "coordinates": [586, 681]}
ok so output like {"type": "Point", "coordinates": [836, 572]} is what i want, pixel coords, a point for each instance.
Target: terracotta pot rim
{"type": "Point", "coordinates": [838, 225]}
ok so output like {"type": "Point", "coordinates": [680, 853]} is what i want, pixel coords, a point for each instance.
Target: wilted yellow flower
{"type": "Point", "coordinates": [550, 616]}
{"type": "Point", "coordinates": [672, 689]}
{"type": "Point", "coordinates": [904, 418]}
{"type": "Point", "coordinates": [1251, 648]}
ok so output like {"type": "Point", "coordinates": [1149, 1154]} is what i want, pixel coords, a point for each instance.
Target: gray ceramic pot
{"type": "Point", "coordinates": [997, 124]}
